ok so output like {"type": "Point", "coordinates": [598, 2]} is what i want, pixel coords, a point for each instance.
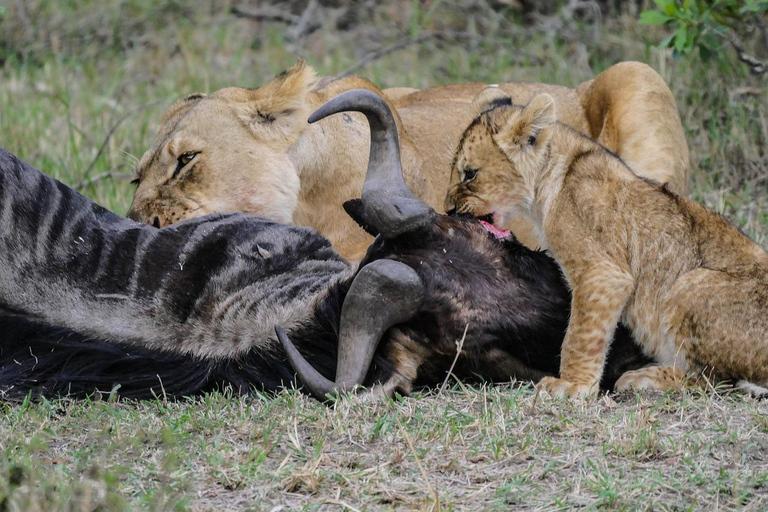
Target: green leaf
{"type": "Point", "coordinates": [690, 41]}
{"type": "Point", "coordinates": [667, 6]}
{"type": "Point", "coordinates": [681, 36]}
{"type": "Point", "coordinates": [654, 18]}
{"type": "Point", "coordinates": [709, 41]}
{"type": "Point", "coordinates": [667, 42]}
{"type": "Point", "coordinates": [671, 9]}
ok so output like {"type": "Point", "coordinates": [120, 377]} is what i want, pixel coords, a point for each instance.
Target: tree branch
{"type": "Point", "coordinates": [442, 35]}
{"type": "Point", "coordinates": [756, 67]}
{"type": "Point", "coordinates": [265, 15]}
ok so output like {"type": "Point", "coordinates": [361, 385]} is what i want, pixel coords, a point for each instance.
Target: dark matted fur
{"type": "Point", "coordinates": [52, 361]}
{"type": "Point", "coordinates": [514, 300]}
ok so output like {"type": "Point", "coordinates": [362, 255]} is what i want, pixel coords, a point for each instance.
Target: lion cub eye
{"type": "Point", "coordinates": [183, 160]}
{"type": "Point", "coordinates": [469, 175]}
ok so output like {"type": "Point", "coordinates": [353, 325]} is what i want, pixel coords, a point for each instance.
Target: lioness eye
{"type": "Point", "coordinates": [183, 160]}
{"type": "Point", "coordinates": [469, 174]}
{"type": "Point", "coordinates": [187, 157]}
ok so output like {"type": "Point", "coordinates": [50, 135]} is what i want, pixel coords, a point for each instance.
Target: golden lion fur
{"type": "Point", "coordinates": [252, 150]}
{"type": "Point", "coordinates": [692, 288]}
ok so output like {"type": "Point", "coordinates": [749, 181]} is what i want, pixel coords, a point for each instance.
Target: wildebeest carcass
{"type": "Point", "coordinates": [90, 300]}
{"type": "Point", "coordinates": [452, 279]}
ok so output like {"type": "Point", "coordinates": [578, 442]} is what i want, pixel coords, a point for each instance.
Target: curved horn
{"type": "Point", "coordinates": [384, 293]}
{"type": "Point", "coordinates": [388, 203]}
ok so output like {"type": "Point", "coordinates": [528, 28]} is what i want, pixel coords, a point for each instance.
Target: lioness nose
{"type": "Point", "coordinates": [138, 216]}
{"type": "Point", "coordinates": [135, 215]}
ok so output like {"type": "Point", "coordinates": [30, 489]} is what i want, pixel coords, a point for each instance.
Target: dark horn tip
{"type": "Point", "coordinates": [316, 116]}
{"type": "Point", "coordinates": [359, 100]}
{"type": "Point", "coordinates": [316, 384]}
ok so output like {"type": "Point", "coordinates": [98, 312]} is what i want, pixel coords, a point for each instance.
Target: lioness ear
{"type": "Point", "coordinates": [354, 208]}
{"type": "Point", "coordinates": [530, 127]}
{"type": "Point", "coordinates": [277, 108]}
{"type": "Point", "coordinates": [287, 91]}
{"type": "Point", "coordinates": [487, 99]}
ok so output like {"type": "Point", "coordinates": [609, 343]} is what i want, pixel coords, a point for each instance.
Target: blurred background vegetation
{"type": "Point", "coordinates": [83, 85]}
{"type": "Point", "coordinates": [84, 82]}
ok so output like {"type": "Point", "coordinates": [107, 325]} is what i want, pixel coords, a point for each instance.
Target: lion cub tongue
{"type": "Point", "coordinates": [501, 234]}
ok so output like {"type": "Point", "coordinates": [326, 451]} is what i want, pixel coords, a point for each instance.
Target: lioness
{"type": "Point", "coordinates": [252, 150]}
{"type": "Point", "coordinates": [692, 288]}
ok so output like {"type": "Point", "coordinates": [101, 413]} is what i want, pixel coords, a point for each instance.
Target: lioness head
{"type": "Point", "coordinates": [204, 156]}
{"type": "Point", "coordinates": [495, 166]}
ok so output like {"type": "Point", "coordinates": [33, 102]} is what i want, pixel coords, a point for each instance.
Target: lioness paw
{"type": "Point", "coordinates": [562, 388]}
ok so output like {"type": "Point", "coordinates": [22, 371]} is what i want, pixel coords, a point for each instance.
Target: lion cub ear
{"type": "Point", "coordinates": [531, 128]}
{"type": "Point", "coordinates": [490, 97]}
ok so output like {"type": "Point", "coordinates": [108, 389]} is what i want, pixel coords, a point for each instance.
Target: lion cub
{"type": "Point", "coordinates": [691, 287]}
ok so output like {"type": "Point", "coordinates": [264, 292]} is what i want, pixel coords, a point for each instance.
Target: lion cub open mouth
{"type": "Point", "coordinates": [499, 233]}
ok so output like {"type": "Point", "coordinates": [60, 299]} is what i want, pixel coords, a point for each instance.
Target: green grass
{"type": "Point", "coordinates": [73, 70]}
{"type": "Point", "coordinates": [487, 448]}
{"type": "Point", "coordinates": [80, 75]}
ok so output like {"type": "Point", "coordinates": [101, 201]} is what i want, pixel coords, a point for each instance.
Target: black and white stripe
{"type": "Point", "coordinates": [83, 284]}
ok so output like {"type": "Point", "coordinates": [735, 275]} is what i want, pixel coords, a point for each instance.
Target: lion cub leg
{"type": "Point", "coordinates": [599, 297]}
{"type": "Point", "coordinates": [659, 378]}
{"type": "Point", "coordinates": [719, 323]}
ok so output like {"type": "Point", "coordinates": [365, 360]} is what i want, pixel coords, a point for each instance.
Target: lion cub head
{"type": "Point", "coordinates": [500, 155]}
{"type": "Point", "coordinates": [225, 152]}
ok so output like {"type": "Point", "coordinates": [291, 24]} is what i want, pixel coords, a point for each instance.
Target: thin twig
{"type": "Point", "coordinates": [265, 15]}
{"type": "Point", "coordinates": [409, 41]}
{"type": "Point", "coordinates": [756, 67]}
{"type": "Point", "coordinates": [112, 131]}
{"type": "Point", "coordinates": [306, 23]}
{"type": "Point", "coordinates": [459, 346]}
{"type": "Point", "coordinates": [103, 176]}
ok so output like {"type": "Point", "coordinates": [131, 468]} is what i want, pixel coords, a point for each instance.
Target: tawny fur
{"type": "Point", "coordinates": [691, 286]}
{"type": "Point", "coordinates": [255, 152]}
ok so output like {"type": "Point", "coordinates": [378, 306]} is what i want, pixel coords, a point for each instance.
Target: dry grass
{"type": "Point", "coordinates": [487, 448]}
{"type": "Point", "coordinates": [75, 83]}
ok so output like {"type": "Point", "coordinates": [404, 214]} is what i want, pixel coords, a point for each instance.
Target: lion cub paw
{"type": "Point", "coordinates": [559, 388]}
{"type": "Point", "coordinates": [652, 377]}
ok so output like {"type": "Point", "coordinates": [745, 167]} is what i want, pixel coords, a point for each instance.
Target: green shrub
{"type": "Point", "coordinates": [708, 26]}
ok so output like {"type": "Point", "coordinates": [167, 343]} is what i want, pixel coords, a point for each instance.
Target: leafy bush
{"type": "Point", "coordinates": [710, 25]}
